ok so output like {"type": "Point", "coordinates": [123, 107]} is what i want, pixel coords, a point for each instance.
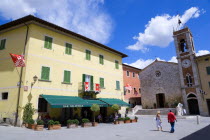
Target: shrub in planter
{"type": "Point", "coordinates": [56, 125]}
{"type": "Point", "coordinates": [86, 122]}
{"type": "Point", "coordinates": [72, 123]}
{"type": "Point", "coordinates": [135, 119]}
{"type": "Point", "coordinates": [127, 120]}
{"type": "Point", "coordinates": [31, 124]}
{"type": "Point", "coordinates": [121, 120]}
{"type": "Point", "coordinates": [50, 124]}
{"type": "Point", "coordinates": [95, 108]}
{"type": "Point", "coordinates": [40, 125]}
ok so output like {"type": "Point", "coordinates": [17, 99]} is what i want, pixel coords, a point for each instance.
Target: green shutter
{"type": "Point", "coordinates": [208, 70]}
{"type": "Point", "coordinates": [88, 55]}
{"type": "Point", "coordinates": [83, 80]}
{"type": "Point", "coordinates": [48, 42]}
{"type": "Point", "coordinates": [67, 76]}
{"type": "Point", "coordinates": [91, 82]}
{"type": "Point", "coordinates": [45, 73]}
{"type": "Point", "coordinates": [68, 48]}
{"type": "Point", "coordinates": [102, 82]}
{"type": "Point", "coordinates": [101, 59]}
{"type": "Point", "coordinates": [2, 45]}
{"type": "Point", "coordinates": [116, 64]}
{"type": "Point", "coordinates": [118, 85]}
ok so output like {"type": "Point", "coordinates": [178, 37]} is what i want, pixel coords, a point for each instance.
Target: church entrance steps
{"type": "Point", "coordinates": [163, 111]}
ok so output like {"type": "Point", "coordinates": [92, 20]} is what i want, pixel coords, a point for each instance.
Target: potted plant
{"type": "Point", "coordinates": [28, 112]}
{"type": "Point", "coordinates": [94, 108]}
{"type": "Point", "coordinates": [116, 107]}
{"type": "Point", "coordinates": [127, 120]}
{"type": "Point", "coordinates": [72, 123]}
{"type": "Point", "coordinates": [86, 122]}
{"type": "Point", "coordinates": [50, 124]}
{"type": "Point", "coordinates": [56, 125]}
{"type": "Point", "coordinates": [31, 124]}
{"type": "Point", "coordinates": [39, 125]}
{"type": "Point", "coordinates": [120, 120]}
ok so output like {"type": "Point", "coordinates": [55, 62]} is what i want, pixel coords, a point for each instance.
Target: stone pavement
{"type": "Point", "coordinates": [145, 129]}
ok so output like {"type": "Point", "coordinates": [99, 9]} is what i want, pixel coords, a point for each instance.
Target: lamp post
{"type": "Point", "coordinates": [35, 79]}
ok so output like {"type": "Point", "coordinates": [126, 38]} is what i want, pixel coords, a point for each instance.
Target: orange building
{"type": "Point", "coordinates": [132, 88]}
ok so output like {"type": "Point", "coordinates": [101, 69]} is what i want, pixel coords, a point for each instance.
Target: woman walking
{"type": "Point", "coordinates": [158, 121]}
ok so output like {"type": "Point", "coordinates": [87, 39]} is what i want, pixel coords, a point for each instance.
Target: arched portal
{"type": "Point", "coordinates": [193, 104]}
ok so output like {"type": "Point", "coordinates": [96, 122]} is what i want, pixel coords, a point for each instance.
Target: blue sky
{"type": "Point", "coordinates": [115, 23]}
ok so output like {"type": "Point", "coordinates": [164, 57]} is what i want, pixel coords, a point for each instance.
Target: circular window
{"type": "Point", "coordinates": [158, 73]}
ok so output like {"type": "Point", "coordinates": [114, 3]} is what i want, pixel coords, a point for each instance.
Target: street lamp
{"type": "Point", "coordinates": [35, 79]}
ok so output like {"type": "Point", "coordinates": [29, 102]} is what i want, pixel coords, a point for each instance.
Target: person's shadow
{"type": "Point", "coordinates": [160, 131]}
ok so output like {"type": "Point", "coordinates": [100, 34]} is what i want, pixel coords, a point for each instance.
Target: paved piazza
{"type": "Point", "coordinates": [145, 129]}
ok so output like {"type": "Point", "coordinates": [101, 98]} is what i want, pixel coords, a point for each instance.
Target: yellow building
{"type": "Point", "coordinates": [62, 60]}
{"type": "Point", "coordinates": [203, 63]}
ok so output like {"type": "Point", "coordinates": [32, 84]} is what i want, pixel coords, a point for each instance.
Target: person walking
{"type": "Point", "coordinates": [158, 121]}
{"type": "Point", "coordinates": [171, 120]}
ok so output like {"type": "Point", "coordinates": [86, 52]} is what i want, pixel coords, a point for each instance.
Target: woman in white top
{"type": "Point", "coordinates": [158, 121]}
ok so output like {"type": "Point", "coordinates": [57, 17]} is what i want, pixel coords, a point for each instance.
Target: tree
{"type": "Point", "coordinates": [115, 107]}
{"type": "Point", "coordinates": [28, 112]}
{"type": "Point", "coordinates": [94, 108]}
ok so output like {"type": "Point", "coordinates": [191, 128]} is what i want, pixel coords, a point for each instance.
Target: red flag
{"type": "Point", "coordinates": [18, 60]}
{"type": "Point", "coordinates": [128, 87]}
{"type": "Point", "coordinates": [97, 87]}
{"type": "Point", "coordinates": [86, 84]}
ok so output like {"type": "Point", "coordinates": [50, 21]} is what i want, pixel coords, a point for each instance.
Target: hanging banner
{"type": "Point", "coordinates": [97, 87]}
{"type": "Point", "coordinates": [87, 87]}
{"type": "Point", "coordinates": [128, 87]}
{"type": "Point", "coordinates": [18, 60]}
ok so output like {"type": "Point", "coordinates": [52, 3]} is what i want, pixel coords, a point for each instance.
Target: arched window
{"type": "Point", "coordinates": [183, 45]}
{"type": "Point", "coordinates": [189, 80]}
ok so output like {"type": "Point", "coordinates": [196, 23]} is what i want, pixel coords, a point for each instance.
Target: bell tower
{"type": "Point", "coordinates": [189, 76]}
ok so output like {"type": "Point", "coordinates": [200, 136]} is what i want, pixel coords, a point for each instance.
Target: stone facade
{"type": "Point", "coordinates": [160, 77]}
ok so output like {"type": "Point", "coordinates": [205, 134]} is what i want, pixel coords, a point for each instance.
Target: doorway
{"type": "Point", "coordinates": [87, 113]}
{"type": "Point", "coordinates": [208, 105]}
{"type": "Point", "coordinates": [103, 112]}
{"type": "Point", "coordinates": [193, 106]}
{"type": "Point", "coordinates": [160, 98]}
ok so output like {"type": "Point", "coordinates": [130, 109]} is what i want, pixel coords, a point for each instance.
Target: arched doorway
{"type": "Point", "coordinates": [160, 98]}
{"type": "Point", "coordinates": [193, 104]}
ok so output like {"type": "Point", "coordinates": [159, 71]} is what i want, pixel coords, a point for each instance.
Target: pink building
{"type": "Point", "coordinates": [132, 88]}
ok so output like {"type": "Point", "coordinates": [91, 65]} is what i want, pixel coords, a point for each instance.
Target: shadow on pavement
{"type": "Point", "coordinates": [202, 134]}
{"type": "Point", "coordinates": [160, 131]}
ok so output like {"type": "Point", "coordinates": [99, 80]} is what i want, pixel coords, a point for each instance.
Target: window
{"type": "Point", "coordinates": [207, 59]}
{"type": "Point", "coordinates": [4, 95]}
{"type": "Point", "coordinates": [101, 59]}
{"type": "Point", "coordinates": [88, 53]}
{"type": "Point", "coordinates": [45, 73]}
{"type": "Point", "coordinates": [116, 64]}
{"type": "Point", "coordinates": [68, 48]}
{"type": "Point", "coordinates": [133, 74]}
{"type": "Point", "coordinates": [117, 85]}
{"type": "Point", "coordinates": [67, 76]}
{"type": "Point", "coordinates": [42, 105]}
{"type": "Point", "coordinates": [87, 78]}
{"type": "Point", "coordinates": [48, 42]}
{"type": "Point", "coordinates": [128, 74]}
{"type": "Point", "coordinates": [139, 90]}
{"type": "Point", "coordinates": [209, 84]}
{"type": "Point", "coordinates": [189, 80]}
{"type": "Point", "coordinates": [208, 70]}
{"type": "Point", "coordinates": [2, 45]}
{"type": "Point", "coordinates": [102, 82]}
{"type": "Point", "coordinates": [183, 46]}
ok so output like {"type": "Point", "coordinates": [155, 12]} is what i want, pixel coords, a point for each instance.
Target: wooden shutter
{"type": "Point", "coordinates": [116, 64]}
{"type": "Point", "coordinates": [67, 76]}
{"type": "Point", "coordinates": [2, 45]}
{"type": "Point", "coordinates": [208, 70]}
{"type": "Point", "coordinates": [87, 55]}
{"type": "Point", "coordinates": [48, 42]}
{"type": "Point", "coordinates": [101, 59]}
{"type": "Point", "coordinates": [68, 48]}
{"type": "Point", "coordinates": [91, 82]}
{"type": "Point", "coordinates": [83, 80]}
{"type": "Point", "coordinates": [117, 84]}
{"type": "Point", "coordinates": [102, 82]}
{"type": "Point", "coordinates": [45, 73]}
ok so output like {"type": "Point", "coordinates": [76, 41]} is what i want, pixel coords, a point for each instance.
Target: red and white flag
{"type": "Point", "coordinates": [97, 87]}
{"type": "Point", "coordinates": [128, 87]}
{"type": "Point", "coordinates": [86, 84]}
{"type": "Point", "coordinates": [18, 60]}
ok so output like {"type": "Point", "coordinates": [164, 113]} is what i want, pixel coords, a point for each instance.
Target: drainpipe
{"type": "Point", "coordinates": [21, 75]}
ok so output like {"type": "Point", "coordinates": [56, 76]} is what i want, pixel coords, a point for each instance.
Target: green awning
{"type": "Point", "coordinates": [112, 101]}
{"type": "Point", "coordinates": [70, 101]}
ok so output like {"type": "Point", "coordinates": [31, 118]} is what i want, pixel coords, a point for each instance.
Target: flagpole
{"type": "Point", "coordinates": [20, 80]}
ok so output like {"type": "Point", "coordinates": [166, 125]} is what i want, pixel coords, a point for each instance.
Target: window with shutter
{"type": "Point", "coordinates": [116, 64]}
{"type": "Point", "coordinates": [208, 70]}
{"type": "Point", "coordinates": [102, 82]}
{"type": "Point", "coordinates": [68, 48]}
{"type": "Point", "coordinates": [67, 76]}
{"type": "Point", "coordinates": [48, 42]}
{"type": "Point", "coordinates": [2, 45]}
{"type": "Point", "coordinates": [118, 85]}
{"type": "Point", "coordinates": [101, 59]}
{"type": "Point", "coordinates": [88, 55]}
{"type": "Point", "coordinates": [45, 73]}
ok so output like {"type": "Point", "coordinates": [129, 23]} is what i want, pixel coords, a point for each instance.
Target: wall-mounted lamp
{"type": "Point", "coordinates": [35, 79]}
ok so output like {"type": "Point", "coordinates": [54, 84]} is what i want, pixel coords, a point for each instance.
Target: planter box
{"type": "Point", "coordinates": [56, 126]}
{"type": "Point", "coordinates": [72, 126]}
{"type": "Point", "coordinates": [50, 127]}
{"type": "Point", "coordinates": [121, 122]}
{"type": "Point", "coordinates": [31, 126]}
{"type": "Point", "coordinates": [116, 122]}
{"type": "Point", "coordinates": [127, 121]}
{"type": "Point", "coordinates": [94, 123]}
{"type": "Point", "coordinates": [87, 124]}
{"type": "Point", "coordinates": [134, 120]}
{"type": "Point", "coordinates": [39, 127]}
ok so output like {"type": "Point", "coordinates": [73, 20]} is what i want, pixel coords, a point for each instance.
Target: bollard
{"type": "Point", "coordinates": [197, 119]}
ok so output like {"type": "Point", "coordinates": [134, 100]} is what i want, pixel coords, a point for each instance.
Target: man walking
{"type": "Point", "coordinates": [171, 120]}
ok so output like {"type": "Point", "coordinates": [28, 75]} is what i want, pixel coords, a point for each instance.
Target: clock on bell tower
{"type": "Point", "coordinates": [188, 71]}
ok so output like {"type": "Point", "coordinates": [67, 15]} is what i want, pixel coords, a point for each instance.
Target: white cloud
{"type": "Point", "coordinates": [159, 30]}
{"type": "Point", "coordinates": [85, 17]}
{"type": "Point", "coordinates": [173, 59]}
{"type": "Point", "coordinates": [202, 52]}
